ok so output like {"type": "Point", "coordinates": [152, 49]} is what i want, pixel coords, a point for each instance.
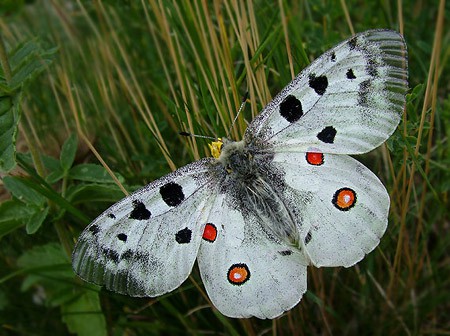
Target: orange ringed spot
{"type": "Point", "coordinates": [315, 159]}
{"type": "Point", "coordinates": [238, 274]}
{"type": "Point", "coordinates": [344, 199]}
{"type": "Point", "coordinates": [210, 232]}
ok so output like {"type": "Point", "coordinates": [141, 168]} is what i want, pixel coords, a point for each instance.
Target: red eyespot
{"type": "Point", "coordinates": [344, 199]}
{"type": "Point", "coordinates": [315, 159]}
{"type": "Point", "coordinates": [210, 232]}
{"type": "Point", "coordinates": [238, 274]}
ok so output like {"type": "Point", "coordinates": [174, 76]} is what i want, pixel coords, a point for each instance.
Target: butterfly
{"type": "Point", "coordinates": [262, 209]}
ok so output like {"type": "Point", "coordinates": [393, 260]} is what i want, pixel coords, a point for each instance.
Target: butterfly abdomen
{"type": "Point", "coordinates": [256, 188]}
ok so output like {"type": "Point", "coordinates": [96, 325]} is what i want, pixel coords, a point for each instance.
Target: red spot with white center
{"type": "Point", "coordinates": [238, 274]}
{"type": "Point", "coordinates": [344, 199]}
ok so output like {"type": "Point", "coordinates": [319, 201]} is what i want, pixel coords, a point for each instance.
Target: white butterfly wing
{"type": "Point", "coordinates": [147, 243]}
{"type": "Point", "coordinates": [343, 206]}
{"type": "Point", "coordinates": [246, 271]}
{"type": "Point", "coordinates": [347, 101]}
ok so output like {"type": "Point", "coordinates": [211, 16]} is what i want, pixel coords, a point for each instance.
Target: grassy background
{"type": "Point", "coordinates": [129, 75]}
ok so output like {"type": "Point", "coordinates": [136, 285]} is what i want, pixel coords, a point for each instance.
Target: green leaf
{"type": "Point", "coordinates": [27, 61]}
{"type": "Point", "coordinates": [84, 316]}
{"type": "Point", "coordinates": [29, 199]}
{"type": "Point", "coordinates": [47, 265]}
{"type": "Point", "coordinates": [56, 280]}
{"type": "Point", "coordinates": [94, 193]}
{"type": "Point", "coordinates": [52, 166]}
{"type": "Point", "coordinates": [90, 172]}
{"type": "Point", "coordinates": [68, 151]}
{"type": "Point", "coordinates": [5, 105]}
{"type": "Point", "coordinates": [62, 295]}
{"type": "Point", "coordinates": [22, 191]}
{"type": "Point", "coordinates": [44, 255]}
{"type": "Point", "coordinates": [55, 176]}
{"type": "Point", "coordinates": [9, 121]}
{"type": "Point", "coordinates": [36, 220]}
{"type": "Point", "coordinates": [13, 214]}
{"type": "Point", "coordinates": [38, 184]}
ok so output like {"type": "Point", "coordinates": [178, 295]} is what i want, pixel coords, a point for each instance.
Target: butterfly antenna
{"type": "Point", "coordinates": [244, 100]}
{"type": "Point", "coordinates": [187, 134]}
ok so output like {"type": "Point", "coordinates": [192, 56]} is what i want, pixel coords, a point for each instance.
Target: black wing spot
{"type": "Point", "coordinates": [333, 57]}
{"type": "Point", "coordinates": [319, 84]}
{"type": "Point", "coordinates": [122, 236]}
{"type": "Point", "coordinates": [371, 67]}
{"type": "Point", "coordinates": [135, 256]}
{"type": "Point", "coordinates": [183, 236]}
{"type": "Point", "coordinates": [94, 229]}
{"type": "Point", "coordinates": [140, 212]}
{"type": "Point", "coordinates": [172, 194]}
{"type": "Point", "coordinates": [363, 93]}
{"type": "Point", "coordinates": [111, 255]}
{"type": "Point", "coordinates": [308, 237]}
{"type": "Point", "coordinates": [327, 134]}
{"type": "Point", "coordinates": [350, 74]}
{"type": "Point", "coordinates": [128, 254]}
{"type": "Point", "coordinates": [291, 109]}
{"type": "Point", "coordinates": [285, 253]}
{"type": "Point", "coordinates": [352, 43]}
{"type": "Point", "coordinates": [111, 215]}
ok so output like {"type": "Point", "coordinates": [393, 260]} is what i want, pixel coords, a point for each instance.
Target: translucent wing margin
{"type": "Point", "coordinates": [147, 243]}
{"type": "Point", "coordinates": [348, 101]}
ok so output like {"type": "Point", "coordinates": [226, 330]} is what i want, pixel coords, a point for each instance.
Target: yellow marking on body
{"type": "Point", "coordinates": [216, 148]}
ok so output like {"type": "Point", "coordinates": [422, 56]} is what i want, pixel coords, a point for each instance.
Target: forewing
{"type": "Point", "coordinates": [343, 207]}
{"type": "Point", "coordinates": [246, 271]}
{"type": "Point", "coordinates": [146, 244]}
{"type": "Point", "coordinates": [348, 101]}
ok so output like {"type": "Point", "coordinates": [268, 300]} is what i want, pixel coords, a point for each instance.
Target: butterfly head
{"type": "Point", "coordinates": [223, 147]}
